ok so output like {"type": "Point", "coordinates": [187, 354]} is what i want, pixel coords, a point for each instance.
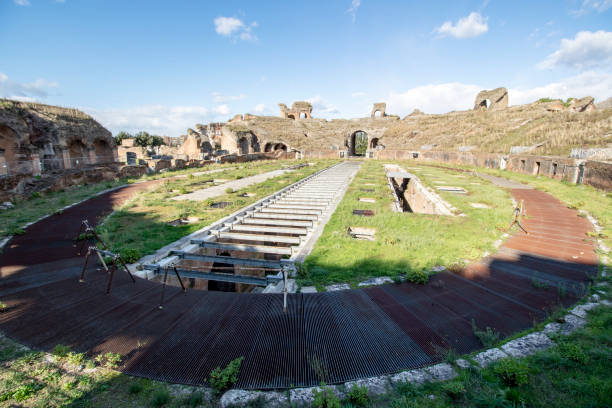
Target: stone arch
{"type": "Point", "coordinates": [280, 146]}
{"type": "Point", "coordinates": [255, 143]}
{"type": "Point", "coordinates": [377, 114]}
{"type": "Point", "coordinates": [103, 151]}
{"type": "Point", "coordinates": [78, 153]}
{"type": "Point", "coordinates": [221, 267]}
{"type": "Point", "coordinates": [303, 115]}
{"type": "Point", "coordinates": [9, 149]}
{"type": "Point", "coordinates": [268, 147]}
{"type": "Point", "coordinates": [358, 143]}
{"type": "Point", "coordinates": [374, 143]}
{"type": "Point", "coordinates": [243, 145]}
{"type": "Point", "coordinates": [291, 116]}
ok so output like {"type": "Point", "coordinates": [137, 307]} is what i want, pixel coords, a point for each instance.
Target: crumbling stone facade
{"type": "Point", "coordinates": [492, 100]}
{"type": "Point", "coordinates": [299, 110]}
{"type": "Point", "coordinates": [379, 110]}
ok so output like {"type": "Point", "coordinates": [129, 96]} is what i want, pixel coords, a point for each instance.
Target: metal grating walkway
{"type": "Point", "coordinates": [331, 337]}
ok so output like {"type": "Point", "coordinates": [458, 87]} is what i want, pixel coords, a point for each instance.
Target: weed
{"type": "Point", "coordinates": [76, 359]}
{"type": "Point", "coordinates": [60, 350]}
{"type": "Point", "coordinates": [419, 277]}
{"type": "Point", "coordinates": [131, 255]}
{"type": "Point", "coordinates": [3, 307]}
{"type": "Point", "coordinates": [454, 389]}
{"type": "Point", "coordinates": [358, 396]}
{"type": "Point", "coordinates": [135, 387]}
{"type": "Point", "coordinates": [488, 337]}
{"type": "Point", "coordinates": [35, 194]}
{"type": "Point", "coordinates": [112, 360]}
{"type": "Point", "coordinates": [193, 400]}
{"type": "Point", "coordinates": [160, 397]}
{"type": "Point", "coordinates": [574, 353]}
{"type": "Point", "coordinates": [512, 372]}
{"type": "Point", "coordinates": [539, 284]}
{"type": "Point", "coordinates": [223, 379]}
{"type": "Point", "coordinates": [325, 398]}
{"type": "Point", "coordinates": [229, 190]}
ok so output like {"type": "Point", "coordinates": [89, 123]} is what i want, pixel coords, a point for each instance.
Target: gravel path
{"type": "Point", "coordinates": [216, 191]}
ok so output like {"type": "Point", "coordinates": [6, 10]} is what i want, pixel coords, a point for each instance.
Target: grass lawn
{"type": "Point", "coordinates": [406, 243]}
{"type": "Point", "coordinates": [142, 225]}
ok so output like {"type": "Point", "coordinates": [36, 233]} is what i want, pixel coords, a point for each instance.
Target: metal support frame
{"type": "Point", "coordinates": [161, 302]}
{"type": "Point", "coordinates": [518, 212]}
{"type": "Point", "coordinates": [111, 271]}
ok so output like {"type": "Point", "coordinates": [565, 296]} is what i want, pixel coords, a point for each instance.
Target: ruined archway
{"type": "Point", "coordinates": [255, 143]}
{"type": "Point", "coordinates": [280, 146]}
{"type": "Point", "coordinates": [358, 143]}
{"type": "Point", "coordinates": [268, 147]}
{"type": "Point", "coordinates": [377, 114]}
{"type": "Point", "coordinates": [303, 115]}
{"type": "Point", "coordinates": [291, 116]}
{"type": "Point", "coordinates": [78, 153]}
{"type": "Point", "coordinates": [243, 145]}
{"type": "Point", "coordinates": [374, 143]}
{"type": "Point", "coordinates": [104, 152]}
{"type": "Point", "coordinates": [8, 150]}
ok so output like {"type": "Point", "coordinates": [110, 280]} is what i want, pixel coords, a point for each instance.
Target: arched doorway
{"type": "Point", "coordinates": [104, 153]}
{"type": "Point", "coordinates": [291, 116]}
{"type": "Point", "coordinates": [280, 146]}
{"type": "Point", "coordinates": [78, 153]}
{"type": "Point", "coordinates": [358, 143]}
{"type": "Point", "coordinates": [373, 143]}
{"type": "Point", "coordinates": [255, 143]}
{"type": "Point", "coordinates": [8, 150]}
{"type": "Point", "coordinates": [303, 115]}
{"type": "Point", "coordinates": [268, 147]}
{"type": "Point", "coordinates": [243, 145]}
{"type": "Point", "coordinates": [221, 267]}
{"type": "Point", "coordinates": [377, 114]}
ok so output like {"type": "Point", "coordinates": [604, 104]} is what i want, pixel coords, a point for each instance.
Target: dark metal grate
{"type": "Point", "coordinates": [363, 213]}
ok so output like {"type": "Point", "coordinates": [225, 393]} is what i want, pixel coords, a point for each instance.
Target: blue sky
{"type": "Point", "coordinates": [163, 66]}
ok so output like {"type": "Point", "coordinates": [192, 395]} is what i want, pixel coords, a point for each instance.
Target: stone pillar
{"type": "Point", "coordinates": [36, 171]}
{"type": "Point", "coordinates": [66, 159]}
{"type": "Point", "coordinates": [93, 159]}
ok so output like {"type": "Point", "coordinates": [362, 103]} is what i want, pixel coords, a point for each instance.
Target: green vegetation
{"type": "Point", "coordinates": [407, 244]}
{"type": "Point", "coordinates": [325, 398]}
{"type": "Point", "coordinates": [582, 197]}
{"type": "Point", "coordinates": [574, 373]}
{"type": "Point", "coordinates": [26, 211]}
{"type": "Point", "coordinates": [151, 219]}
{"type": "Point", "coordinates": [488, 337]}
{"type": "Point", "coordinates": [223, 379]}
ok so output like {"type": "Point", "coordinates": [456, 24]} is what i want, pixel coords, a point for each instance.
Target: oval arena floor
{"type": "Point", "coordinates": [331, 337]}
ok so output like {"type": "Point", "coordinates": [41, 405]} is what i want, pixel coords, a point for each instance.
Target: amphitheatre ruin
{"type": "Point", "coordinates": [347, 252]}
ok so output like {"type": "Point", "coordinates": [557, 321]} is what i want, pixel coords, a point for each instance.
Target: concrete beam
{"type": "Point", "coordinates": [275, 230]}
{"type": "Point", "coordinates": [262, 238]}
{"type": "Point", "coordinates": [259, 249]}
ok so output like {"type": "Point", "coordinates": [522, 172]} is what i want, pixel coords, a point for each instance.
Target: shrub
{"type": "Point", "coordinates": [420, 277]}
{"type": "Point", "coordinates": [135, 388]}
{"type": "Point", "coordinates": [573, 352]}
{"type": "Point", "coordinates": [453, 389]}
{"type": "Point", "coordinates": [131, 255]}
{"type": "Point", "coordinates": [112, 360]}
{"type": "Point", "coordinates": [60, 350]}
{"type": "Point", "coordinates": [488, 337]}
{"type": "Point", "coordinates": [512, 372]}
{"type": "Point", "coordinates": [23, 392]}
{"type": "Point", "coordinates": [223, 379]}
{"type": "Point", "coordinates": [229, 190]}
{"type": "Point", "coordinates": [160, 397]}
{"type": "Point", "coordinates": [76, 358]}
{"type": "Point", "coordinates": [325, 398]}
{"type": "Point", "coordinates": [358, 396]}
{"type": "Point", "coordinates": [3, 307]}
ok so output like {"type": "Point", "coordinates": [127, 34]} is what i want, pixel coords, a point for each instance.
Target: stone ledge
{"type": "Point", "coordinates": [527, 345]}
{"type": "Point", "coordinates": [487, 357]}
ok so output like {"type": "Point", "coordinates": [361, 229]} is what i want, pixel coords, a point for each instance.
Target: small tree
{"type": "Point", "coordinates": [157, 141]}
{"type": "Point", "coordinates": [142, 139]}
{"type": "Point", "coordinates": [120, 136]}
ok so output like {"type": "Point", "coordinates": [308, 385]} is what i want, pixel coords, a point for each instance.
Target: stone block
{"type": "Point", "coordinates": [242, 397]}
{"type": "Point", "coordinates": [418, 376]}
{"type": "Point", "coordinates": [487, 357]}
{"type": "Point", "coordinates": [442, 371]}
{"type": "Point", "coordinates": [527, 345]}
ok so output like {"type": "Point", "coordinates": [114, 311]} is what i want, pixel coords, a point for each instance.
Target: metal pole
{"type": "Point", "coordinates": [110, 278]}
{"type": "Point", "coordinates": [161, 302]}
{"type": "Point", "coordinates": [178, 277]}
{"type": "Point", "coordinates": [100, 257]}
{"type": "Point", "coordinates": [284, 289]}
{"type": "Point", "coordinates": [126, 268]}
{"type": "Point", "coordinates": [85, 266]}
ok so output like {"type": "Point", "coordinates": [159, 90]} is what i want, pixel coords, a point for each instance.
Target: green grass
{"type": "Point", "coordinates": [574, 373]}
{"type": "Point", "coordinates": [141, 225]}
{"type": "Point", "coordinates": [406, 242]}
{"type": "Point", "coordinates": [26, 211]}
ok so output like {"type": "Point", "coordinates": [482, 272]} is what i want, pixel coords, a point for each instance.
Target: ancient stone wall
{"type": "Point", "coordinates": [492, 100]}
{"type": "Point", "coordinates": [299, 110]}
{"type": "Point", "coordinates": [598, 174]}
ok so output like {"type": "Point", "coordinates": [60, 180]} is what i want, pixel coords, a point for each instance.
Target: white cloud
{"type": "Point", "coordinates": [358, 94]}
{"type": "Point", "coordinates": [222, 109]}
{"type": "Point", "coordinates": [235, 28]}
{"type": "Point", "coordinates": [591, 83]}
{"type": "Point", "coordinates": [442, 98]}
{"type": "Point", "coordinates": [467, 27]}
{"type": "Point", "coordinates": [587, 50]}
{"type": "Point", "coordinates": [259, 108]}
{"type": "Point", "coordinates": [439, 98]}
{"type": "Point", "coordinates": [218, 97]}
{"type": "Point", "coordinates": [322, 108]}
{"type": "Point", "coordinates": [157, 119]}
{"type": "Point", "coordinates": [22, 2]}
{"type": "Point", "coordinates": [353, 9]}
{"type": "Point", "coordinates": [597, 5]}
{"type": "Point", "coordinates": [31, 91]}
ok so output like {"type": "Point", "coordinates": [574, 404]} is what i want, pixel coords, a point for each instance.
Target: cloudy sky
{"type": "Point", "coordinates": [163, 66]}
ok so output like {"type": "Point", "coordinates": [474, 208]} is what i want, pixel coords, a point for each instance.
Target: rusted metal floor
{"type": "Point", "coordinates": [331, 337]}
